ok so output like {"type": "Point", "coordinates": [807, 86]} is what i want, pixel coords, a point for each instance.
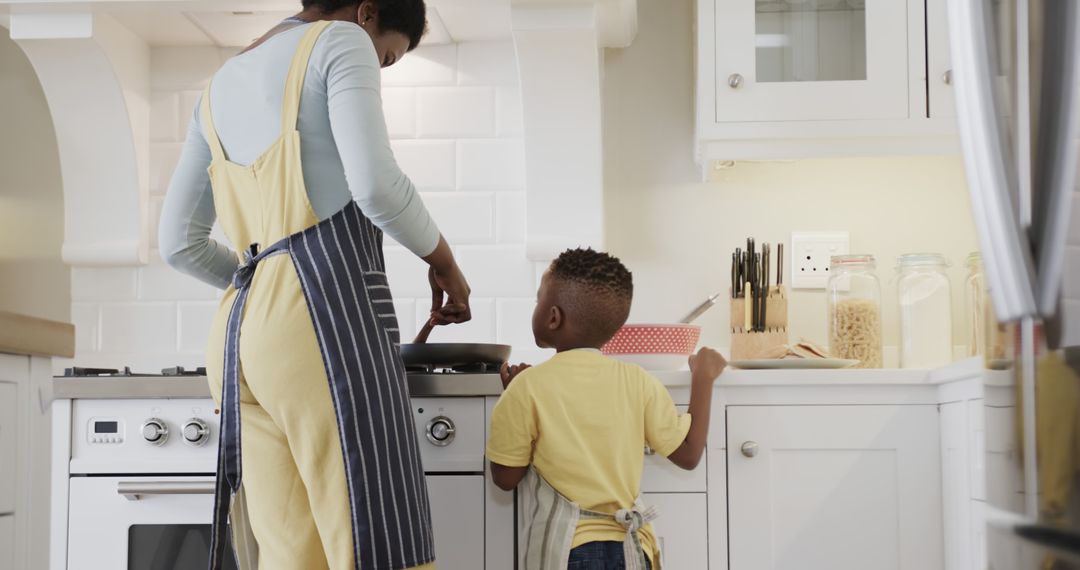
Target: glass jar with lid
{"type": "Point", "coordinates": [854, 305]}
{"type": "Point", "coordinates": [925, 303]}
{"type": "Point", "coordinates": [975, 309]}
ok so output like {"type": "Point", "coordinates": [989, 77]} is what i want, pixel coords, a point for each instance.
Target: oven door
{"type": "Point", "coordinates": [140, 523]}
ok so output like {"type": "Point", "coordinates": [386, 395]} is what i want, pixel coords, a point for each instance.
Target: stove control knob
{"type": "Point", "coordinates": [155, 431]}
{"type": "Point", "coordinates": [440, 431]}
{"type": "Point", "coordinates": [196, 432]}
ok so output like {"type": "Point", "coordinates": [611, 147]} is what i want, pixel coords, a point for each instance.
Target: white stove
{"type": "Point", "coordinates": [134, 480]}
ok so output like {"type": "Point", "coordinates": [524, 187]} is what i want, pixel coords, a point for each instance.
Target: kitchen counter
{"type": "Point", "coordinates": [31, 336]}
{"type": "Point", "coordinates": [120, 387]}
{"type": "Point", "coordinates": [441, 385]}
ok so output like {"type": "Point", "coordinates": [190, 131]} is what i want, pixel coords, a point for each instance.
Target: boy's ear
{"type": "Point", "coordinates": [556, 318]}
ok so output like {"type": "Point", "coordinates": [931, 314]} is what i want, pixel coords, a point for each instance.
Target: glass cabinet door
{"type": "Point", "coordinates": [791, 60]}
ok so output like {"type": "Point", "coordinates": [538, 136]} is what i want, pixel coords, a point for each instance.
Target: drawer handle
{"type": "Point", "coordinates": [749, 448]}
{"type": "Point", "coordinates": [735, 80]}
{"type": "Point", "coordinates": [134, 490]}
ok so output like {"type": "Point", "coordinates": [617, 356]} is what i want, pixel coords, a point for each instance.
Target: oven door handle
{"type": "Point", "coordinates": [135, 490]}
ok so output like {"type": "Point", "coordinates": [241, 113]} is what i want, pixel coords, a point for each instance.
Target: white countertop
{"type": "Point", "coordinates": [732, 377]}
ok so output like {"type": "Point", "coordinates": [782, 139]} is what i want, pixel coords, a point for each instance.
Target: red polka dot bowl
{"type": "Point", "coordinates": [654, 346]}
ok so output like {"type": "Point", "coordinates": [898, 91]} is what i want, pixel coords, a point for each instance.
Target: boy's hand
{"type": "Point", "coordinates": [707, 364]}
{"type": "Point", "coordinates": [508, 373]}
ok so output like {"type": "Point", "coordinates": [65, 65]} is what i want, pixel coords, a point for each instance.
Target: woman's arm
{"type": "Point", "coordinates": [188, 215]}
{"type": "Point", "coordinates": [387, 197]}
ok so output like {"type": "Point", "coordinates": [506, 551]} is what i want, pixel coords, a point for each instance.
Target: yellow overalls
{"type": "Point", "coordinates": [304, 350]}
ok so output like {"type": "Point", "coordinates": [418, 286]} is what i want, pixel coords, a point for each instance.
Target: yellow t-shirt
{"type": "Point", "coordinates": [582, 420]}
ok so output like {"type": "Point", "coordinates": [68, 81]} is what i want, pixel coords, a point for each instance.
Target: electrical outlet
{"type": "Point", "coordinates": [810, 257]}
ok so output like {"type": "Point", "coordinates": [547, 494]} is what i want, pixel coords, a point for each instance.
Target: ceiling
{"type": "Point", "coordinates": [170, 24]}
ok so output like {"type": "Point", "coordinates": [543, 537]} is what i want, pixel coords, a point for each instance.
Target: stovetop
{"type": "Point", "coordinates": [479, 379]}
{"type": "Point", "coordinates": [77, 372]}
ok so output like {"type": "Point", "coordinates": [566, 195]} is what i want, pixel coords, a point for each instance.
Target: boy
{"type": "Point", "coordinates": [581, 421]}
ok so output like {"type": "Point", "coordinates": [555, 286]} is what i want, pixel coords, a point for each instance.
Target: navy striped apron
{"type": "Point", "coordinates": [341, 268]}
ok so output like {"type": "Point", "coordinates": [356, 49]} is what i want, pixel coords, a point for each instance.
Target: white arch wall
{"type": "Point", "coordinates": [95, 75]}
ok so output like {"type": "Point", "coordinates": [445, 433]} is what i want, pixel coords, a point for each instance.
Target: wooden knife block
{"type": "Point", "coordinates": [747, 345]}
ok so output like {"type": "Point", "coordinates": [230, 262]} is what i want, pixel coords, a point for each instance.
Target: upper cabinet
{"type": "Point", "coordinates": [806, 78]}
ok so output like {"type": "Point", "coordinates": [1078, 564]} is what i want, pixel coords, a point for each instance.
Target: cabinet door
{"type": "Point", "coordinates": [457, 514]}
{"type": "Point", "coordinates": [9, 415]}
{"type": "Point", "coordinates": [682, 529]}
{"type": "Point", "coordinates": [7, 543]}
{"type": "Point", "coordinates": [939, 61]}
{"type": "Point", "coordinates": [822, 60]}
{"type": "Point", "coordinates": [838, 487]}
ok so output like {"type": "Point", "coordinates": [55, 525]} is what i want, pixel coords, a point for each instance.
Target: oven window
{"type": "Point", "coordinates": [171, 547]}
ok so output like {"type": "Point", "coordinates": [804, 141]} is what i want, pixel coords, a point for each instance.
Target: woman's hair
{"type": "Point", "coordinates": [408, 17]}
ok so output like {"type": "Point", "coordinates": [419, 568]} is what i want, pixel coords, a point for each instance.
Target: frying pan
{"type": "Point", "coordinates": [448, 355]}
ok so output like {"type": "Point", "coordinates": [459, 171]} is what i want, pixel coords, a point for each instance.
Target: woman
{"type": "Point", "coordinates": [288, 150]}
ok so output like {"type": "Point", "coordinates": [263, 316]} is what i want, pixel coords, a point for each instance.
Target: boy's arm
{"type": "Point", "coordinates": [705, 368]}
{"type": "Point", "coordinates": [507, 478]}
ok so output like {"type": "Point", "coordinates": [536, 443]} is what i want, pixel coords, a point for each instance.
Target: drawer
{"type": "Point", "coordinates": [8, 465]}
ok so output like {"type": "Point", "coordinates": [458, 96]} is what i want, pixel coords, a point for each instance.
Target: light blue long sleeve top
{"type": "Point", "coordinates": [345, 147]}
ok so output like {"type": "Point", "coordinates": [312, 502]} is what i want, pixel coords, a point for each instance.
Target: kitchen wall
{"type": "Point", "coordinates": [454, 115]}
{"type": "Point", "coordinates": [677, 233]}
{"type": "Point", "coordinates": [33, 279]}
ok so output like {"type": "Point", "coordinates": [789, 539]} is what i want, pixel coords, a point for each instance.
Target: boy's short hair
{"type": "Point", "coordinates": [600, 292]}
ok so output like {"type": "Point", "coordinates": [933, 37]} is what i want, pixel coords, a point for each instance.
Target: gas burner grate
{"type": "Point", "coordinates": [470, 368]}
{"type": "Point", "coordinates": [181, 371]}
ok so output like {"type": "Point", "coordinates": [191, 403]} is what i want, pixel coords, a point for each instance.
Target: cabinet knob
{"type": "Point", "coordinates": [946, 77]}
{"type": "Point", "coordinates": [734, 80]}
{"type": "Point", "coordinates": [749, 448]}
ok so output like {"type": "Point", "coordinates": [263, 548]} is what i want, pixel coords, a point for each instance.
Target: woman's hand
{"type": "Point", "coordinates": [449, 289]}
{"type": "Point", "coordinates": [449, 296]}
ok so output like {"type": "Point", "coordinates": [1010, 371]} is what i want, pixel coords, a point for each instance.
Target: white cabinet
{"type": "Point", "coordinates": [838, 487]}
{"type": "Point", "coordinates": [795, 79]}
{"type": "Point", "coordinates": [457, 501]}
{"type": "Point", "coordinates": [810, 61]}
{"type": "Point", "coordinates": [9, 415]}
{"type": "Point", "coordinates": [7, 543]}
{"type": "Point", "coordinates": [682, 531]}
{"type": "Point", "coordinates": [938, 61]}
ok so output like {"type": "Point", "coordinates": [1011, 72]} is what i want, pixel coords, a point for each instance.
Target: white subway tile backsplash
{"type": "Point", "coordinates": [487, 63]}
{"type": "Point", "coordinates": [159, 282]}
{"type": "Point", "coordinates": [498, 271]}
{"type": "Point", "coordinates": [155, 219]}
{"type": "Point", "coordinates": [87, 320]}
{"type": "Point", "coordinates": [103, 284]}
{"type": "Point", "coordinates": [164, 116]}
{"type": "Point", "coordinates": [480, 329]}
{"type": "Point", "coordinates": [163, 159]}
{"type": "Point", "coordinates": [463, 218]}
{"type": "Point", "coordinates": [491, 165]}
{"type": "Point", "coordinates": [399, 108]}
{"type": "Point", "coordinates": [188, 100]}
{"type": "Point", "coordinates": [429, 164]}
{"type": "Point", "coordinates": [195, 322]}
{"type": "Point", "coordinates": [515, 322]}
{"type": "Point", "coordinates": [407, 274]}
{"type": "Point", "coordinates": [510, 217]}
{"type": "Point", "coordinates": [428, 65]}
{"type": "Point", "coordinates": [456, 112]}
{"type": "Point", "coordinates": [509, 118]}
{"type": "Point", "coordinates": [183, 68]}
{"type": "Point", "coordinates": [138, 327]}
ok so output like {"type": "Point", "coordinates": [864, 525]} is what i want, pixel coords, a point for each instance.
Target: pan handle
{"type": "Point", "coordinates": [424, 333]}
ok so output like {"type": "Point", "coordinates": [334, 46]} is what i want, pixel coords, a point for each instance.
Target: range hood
{"type": "Point", "coordinates": [93, 61]}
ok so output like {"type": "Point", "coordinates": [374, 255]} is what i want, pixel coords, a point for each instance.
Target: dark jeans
{"type": "Point", "coordinates": [607, 555]}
